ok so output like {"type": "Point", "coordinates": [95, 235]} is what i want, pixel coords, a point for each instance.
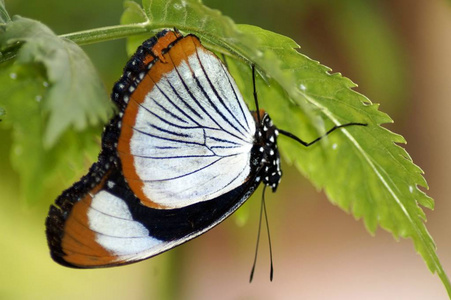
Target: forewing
{"type": "Point", "coordinates": [186, 135]}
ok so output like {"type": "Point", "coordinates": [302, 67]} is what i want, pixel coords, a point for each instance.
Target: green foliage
{"type": "Point", "coordinates": [361, 169]}
{"type": "Point", "coordinates": [75, 96]}
{"type": "Point", "coordinates": [4, 16]}
{"type": "Point", "coordinates": [22, 95]}
{"type": "Point", "coordinates": [49, 93]}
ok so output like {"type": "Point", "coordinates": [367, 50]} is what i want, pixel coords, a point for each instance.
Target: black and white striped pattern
{"type": "Point", "coordinates": [193, 134]}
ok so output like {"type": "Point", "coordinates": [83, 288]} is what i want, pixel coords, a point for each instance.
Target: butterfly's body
{"type": "Point", "coordinates": [183, 153]}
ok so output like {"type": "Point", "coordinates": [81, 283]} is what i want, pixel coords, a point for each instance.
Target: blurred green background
{"type": "Point", "coordinates": [398, 52]}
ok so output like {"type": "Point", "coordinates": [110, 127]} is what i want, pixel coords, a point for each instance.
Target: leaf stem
{"type": "Point", "coordinates": [109, 33]}
{"type": "Point", "coordinates": [106, 33]}
{"type": "Point", "coordinates": [122, 31]}
{"type": "Point", "coordinates": [90, 36]}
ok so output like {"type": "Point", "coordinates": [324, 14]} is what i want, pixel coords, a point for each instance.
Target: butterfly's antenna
{"type": "Point", "coordinates": [258, 235]}
{"type": "Point", "coordinates": [290, 135]}
{"type": "Point", "coordinates": [269, 236]}
{"type": "Point", "coordinates": [255, 95]}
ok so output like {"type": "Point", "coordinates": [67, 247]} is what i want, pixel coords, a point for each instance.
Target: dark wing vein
{"type": "Point", "coordinates": [223, 141]}
{"type": "Point", "coordinates": [165, 110]}
{"type": "Point", "coordinates": [213, 105]}
{"type": "Point", "coordinates": [197, 102]}
{"type": "Point", "coordinates": [190, 173]}
{"type": "Point", "coordinates": [236, 96]}
{"type": "Point", "coordinates": [215, 91]}
{"type": "Point", "coordinates": [172, 102]}
{"type": "Point", "coordinates": [186, 174]}
{"type": "Point", "coordinates": [169, 131]}
{"type": "Point", "coordinates": [237, 175]}
{"type": "Point", "coordinates": [183, 100]}
{"type": "Point", "coordinates": [167, 139]}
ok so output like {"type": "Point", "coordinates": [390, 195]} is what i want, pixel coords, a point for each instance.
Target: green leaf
{"type": "Point", "coordinates": [39, 168]}
{"type": "Point", "coordinates": [133, 13]}
{"type": "Point", "coordinates": [4, 16]}
{"type": "Point", "coordinates": [361, 169]}
{"type": "Point", "coordinates": [25, 119]}
{"type": "Point", "coordinates": [76, 96]}
{"type": "Point", "coordinates": [50, 94]}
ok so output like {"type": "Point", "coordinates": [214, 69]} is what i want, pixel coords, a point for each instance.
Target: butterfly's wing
{"type": "Point", "coordinates": [186, 134]}
{"type": "Point", "coordinates": [106, 224]}
{"type": "Point", "coordinates": [176, 161]}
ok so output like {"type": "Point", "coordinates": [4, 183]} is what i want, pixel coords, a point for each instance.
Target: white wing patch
{"type": "Point", "coordinates": [115, 230]}
{"type": "Point", "coordinates": [111, 221]}
{"type": "Point", "coordinates": [193, 134]}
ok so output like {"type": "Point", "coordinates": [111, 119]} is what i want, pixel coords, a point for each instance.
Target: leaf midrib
{"type": "Point", "coordinates": [367, 158]}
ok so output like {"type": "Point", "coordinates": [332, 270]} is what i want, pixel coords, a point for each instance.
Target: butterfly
{"type": "Point", "coordinates": [181, 155]}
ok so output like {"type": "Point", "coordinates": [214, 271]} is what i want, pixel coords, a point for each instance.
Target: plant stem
{"type": "Point", "coordinates": [89, 36]}
{"type": "Point", "coordinates": [106, 33]}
